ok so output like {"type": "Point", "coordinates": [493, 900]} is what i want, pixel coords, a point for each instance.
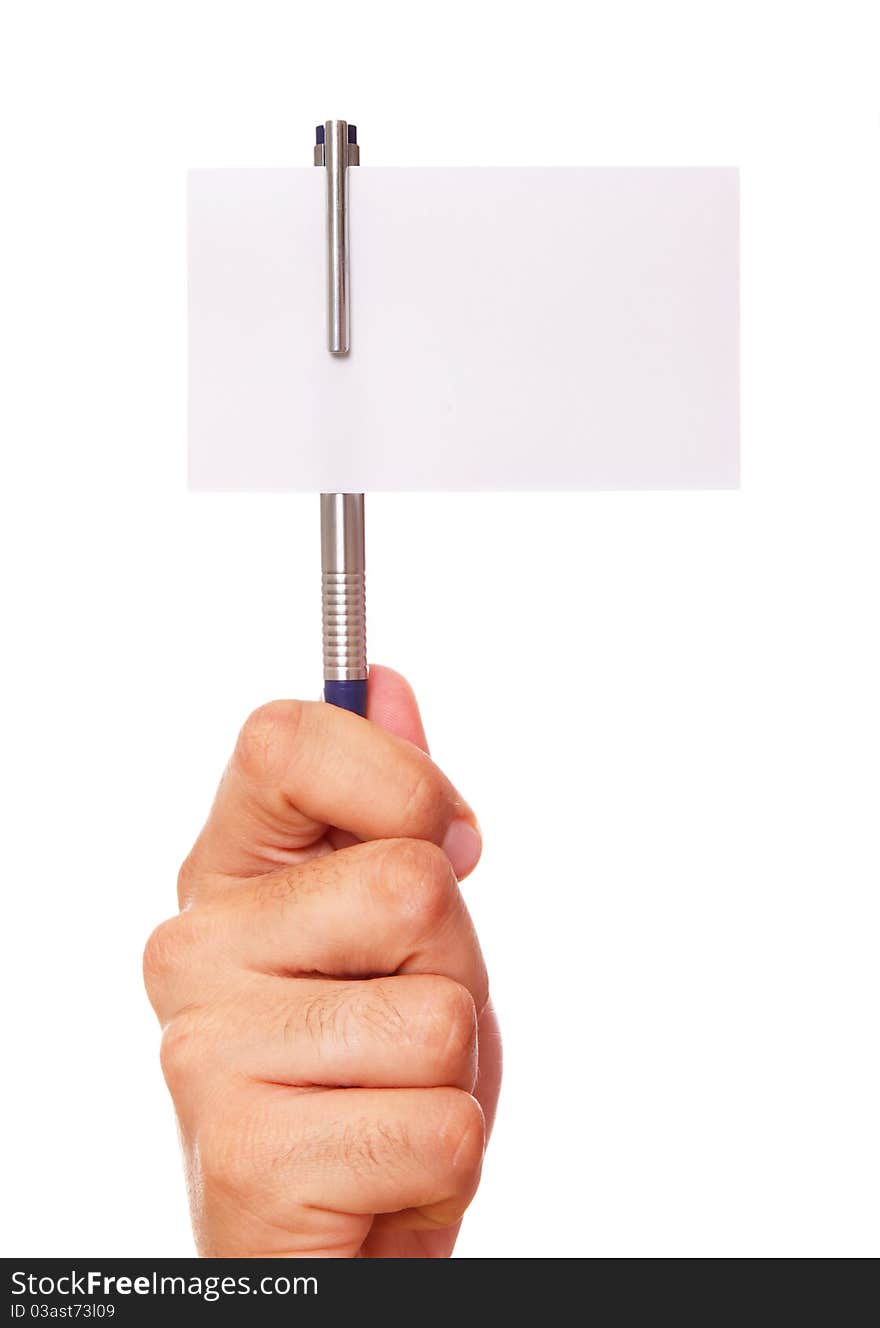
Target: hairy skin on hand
{"type": "Point", "coordinates": [328, 1038]}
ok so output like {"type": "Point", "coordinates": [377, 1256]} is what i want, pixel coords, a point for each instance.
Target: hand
{"type": "Point", "coordinates": [323, 999]}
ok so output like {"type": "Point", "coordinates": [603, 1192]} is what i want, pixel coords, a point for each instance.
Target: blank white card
{"type": "Point", "coordinates": [510, 329]}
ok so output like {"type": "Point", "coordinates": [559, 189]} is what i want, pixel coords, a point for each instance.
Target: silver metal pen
{"type": "Point", "coordinates": [343, 594]}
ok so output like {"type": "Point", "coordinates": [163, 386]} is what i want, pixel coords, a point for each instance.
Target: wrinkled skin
{"type": "Point", "coordinates": [327, 1034]}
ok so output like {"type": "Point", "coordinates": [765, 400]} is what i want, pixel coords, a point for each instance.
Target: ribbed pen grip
{"type": "Point", "coordinates": [344, 612]}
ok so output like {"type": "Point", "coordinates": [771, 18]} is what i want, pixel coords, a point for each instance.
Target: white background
{"type": "Point", "coordinates": [663, 707]}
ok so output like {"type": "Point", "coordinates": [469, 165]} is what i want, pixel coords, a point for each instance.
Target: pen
{"type": "Point", "coordinates": [343, 597]}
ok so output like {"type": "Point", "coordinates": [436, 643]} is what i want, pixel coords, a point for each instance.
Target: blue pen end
{"type": "Point", "coordinates": [348, 694]}
{"type": "Point", "coordinates": [352, 134]}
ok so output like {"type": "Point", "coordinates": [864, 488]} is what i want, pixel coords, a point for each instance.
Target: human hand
{"type": "Point", "coordinates": [323, 999]}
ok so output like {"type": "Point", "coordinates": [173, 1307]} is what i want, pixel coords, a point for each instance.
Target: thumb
{"type": "Point", "coordinates": [391, 704]}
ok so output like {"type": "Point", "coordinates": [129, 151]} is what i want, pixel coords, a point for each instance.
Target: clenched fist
{"type": "Point", "coordinates": [328, 1041]}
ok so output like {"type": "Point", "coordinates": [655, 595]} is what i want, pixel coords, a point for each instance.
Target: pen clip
{"type": "Point", "coordinates": [336, 148]}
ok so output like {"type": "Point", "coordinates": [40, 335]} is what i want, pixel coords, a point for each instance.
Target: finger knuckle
{"type": "Point", "coordinates": [419, 876]}
{"type": "Point", "coordinates": [225, 1152]}
{"type": "Point", "coordinates": [424, 796]}
{"type": "Point", "coordinates": [461, 1137]}
{"type": "Point", "coordinates": [244, 1146]}
{"type": "Point", "coordinates": [182, 1048]}
{"type": "Point", "coordinates": [449, 1030]}
{"type": "Point", "coordinates": [170, 948]}
{"type": "Point", "coordinates": [161, 953]}
{"type": "Point", "coordinates": [264, 743]}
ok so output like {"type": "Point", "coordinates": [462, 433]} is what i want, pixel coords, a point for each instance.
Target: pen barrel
{"type": "Point", "coordinates": [343, 589]}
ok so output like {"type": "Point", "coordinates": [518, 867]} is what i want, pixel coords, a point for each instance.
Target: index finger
{"type": "Point", "coordinates": [302, 766]}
